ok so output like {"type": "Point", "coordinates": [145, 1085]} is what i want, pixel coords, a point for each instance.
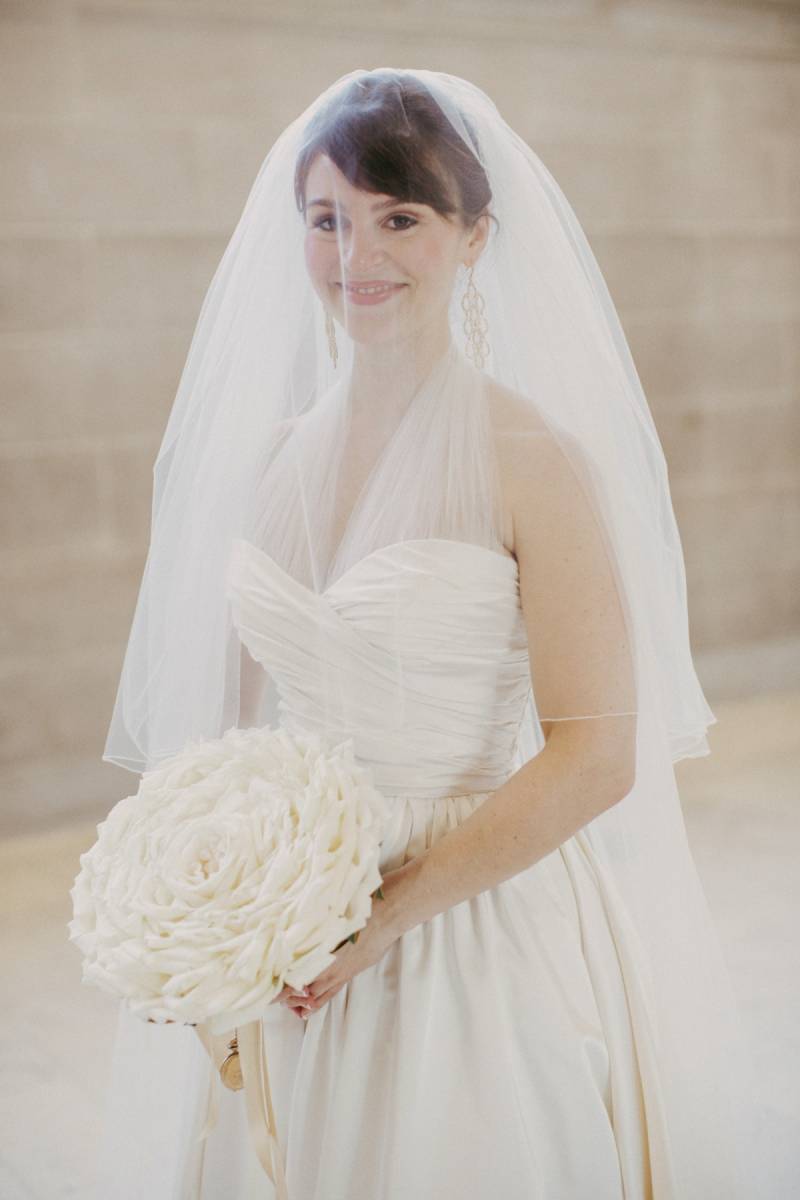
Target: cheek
{"type": "Point", "coordinates": [425, 259]}
{"type": "Point", "coordinates": [320, 259]}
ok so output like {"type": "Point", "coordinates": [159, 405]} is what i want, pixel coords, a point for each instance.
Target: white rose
{"type": "Point", "coordinates": [238, 866]}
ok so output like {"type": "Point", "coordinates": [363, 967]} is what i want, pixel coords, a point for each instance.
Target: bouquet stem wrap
{"type": "Point", "coordinates": [258, 1100]}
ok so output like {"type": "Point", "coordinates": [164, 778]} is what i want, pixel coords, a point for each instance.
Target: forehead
{"type": "Point", "coordinates": [325, 182]}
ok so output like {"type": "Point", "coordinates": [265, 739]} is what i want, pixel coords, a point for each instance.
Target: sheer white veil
{"type": "Point", "coordinates": [273, 448]}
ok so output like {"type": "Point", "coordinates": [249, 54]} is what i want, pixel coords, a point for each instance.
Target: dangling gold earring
{"type": "Point", "coordinates": [330, 329]}
{"type": "Point", "coordinates": [475, 324]}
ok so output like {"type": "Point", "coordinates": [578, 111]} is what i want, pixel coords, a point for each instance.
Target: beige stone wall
{"type": "Point", "coordinates": [129, 135]}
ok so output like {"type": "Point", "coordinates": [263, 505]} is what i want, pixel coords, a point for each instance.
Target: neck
{"type": "Point", "coordinates": [388, 376]}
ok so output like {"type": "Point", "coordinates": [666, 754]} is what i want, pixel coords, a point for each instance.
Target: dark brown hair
{"type": "Point", "coordinates": [387, 134]}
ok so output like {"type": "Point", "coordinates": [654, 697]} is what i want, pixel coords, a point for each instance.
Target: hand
{"type": "Point", "coordinates": [349, 959]}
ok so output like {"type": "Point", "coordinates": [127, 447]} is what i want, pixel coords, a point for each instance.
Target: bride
{"type": "Point", "coordinates": [411, 493]}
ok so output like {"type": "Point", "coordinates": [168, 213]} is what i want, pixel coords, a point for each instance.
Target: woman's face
{"type": "Point", "coordinates": [408, 254]}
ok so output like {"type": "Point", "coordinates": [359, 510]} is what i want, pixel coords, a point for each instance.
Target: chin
{"type": "Point", "coordinates": [393, 333]}
{"type": "Point", "coordinates": [370, 327]}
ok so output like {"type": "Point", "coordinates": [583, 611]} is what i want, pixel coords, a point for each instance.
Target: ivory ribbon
{"type": "Point", "coordinates": [258, 1100]}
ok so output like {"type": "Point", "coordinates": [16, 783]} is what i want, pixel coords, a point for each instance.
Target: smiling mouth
{"type": "Point", "coordinates": [371, 289]}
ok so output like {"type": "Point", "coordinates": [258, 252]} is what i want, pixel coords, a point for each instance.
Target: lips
{"type": "Point", "coordinates": [370, 285]}
{"type": "Point", "coordinates": [371, 291]}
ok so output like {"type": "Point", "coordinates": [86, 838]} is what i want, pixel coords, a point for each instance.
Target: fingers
{"type": "Point", "coordinates": [301, 1001]}
{"type": "Point", "coordinates": [290, 993]}
{"type": "Point", "coordinates": [314, 1003]}
{"type": "Point", "coordinates": [292, 996]}
{"type": "Point", "coordinates": [302, 1005]}
{"type": "Point", "coordinates": [324, 997]}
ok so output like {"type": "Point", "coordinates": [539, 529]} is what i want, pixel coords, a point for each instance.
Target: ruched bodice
{"type": "Point", "coordinates": [418, 652]}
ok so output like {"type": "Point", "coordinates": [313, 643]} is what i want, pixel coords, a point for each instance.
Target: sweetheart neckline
{"type": "Point", "coordinates": [426, 541]}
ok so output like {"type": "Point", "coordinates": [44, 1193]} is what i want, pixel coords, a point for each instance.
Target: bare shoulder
{"type": "Point", "coordinates": [511, 412]}
{"type": "Point", "coordinates": [522, 437]}
{"type": "Point", "coordinates": [529, 457]}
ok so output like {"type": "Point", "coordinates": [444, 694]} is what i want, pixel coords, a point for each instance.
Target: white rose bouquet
{"type": "Point", "coordinates": [240, 865]}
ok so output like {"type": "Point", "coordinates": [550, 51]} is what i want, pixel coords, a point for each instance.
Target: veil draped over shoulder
{"type": "Point", "coordinates": [322, 421]}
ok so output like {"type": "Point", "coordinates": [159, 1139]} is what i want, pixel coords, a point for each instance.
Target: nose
{"type": "Point", "coordinates": [360, 250]}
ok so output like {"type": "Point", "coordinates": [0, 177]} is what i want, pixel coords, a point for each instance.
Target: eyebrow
{"type": "Point", "coordinates": [323, 200]}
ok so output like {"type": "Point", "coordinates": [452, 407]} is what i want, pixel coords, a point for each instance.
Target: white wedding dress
{"type": "Point", "coordinates": [491, 1052]}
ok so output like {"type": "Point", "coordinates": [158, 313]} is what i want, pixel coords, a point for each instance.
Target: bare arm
{"type": "Point", "coordinates": [580, 663]}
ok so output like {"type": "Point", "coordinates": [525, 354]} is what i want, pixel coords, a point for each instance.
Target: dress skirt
{"type": "Point", "coordinates": [489, 1054]}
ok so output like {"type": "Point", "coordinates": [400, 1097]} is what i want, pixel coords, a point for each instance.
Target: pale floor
{"type": "Point", "coordinates": [744, 825]}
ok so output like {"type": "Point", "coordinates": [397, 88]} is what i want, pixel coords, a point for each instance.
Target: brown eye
{"type": "Point", "coordinates": [404, 217]}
